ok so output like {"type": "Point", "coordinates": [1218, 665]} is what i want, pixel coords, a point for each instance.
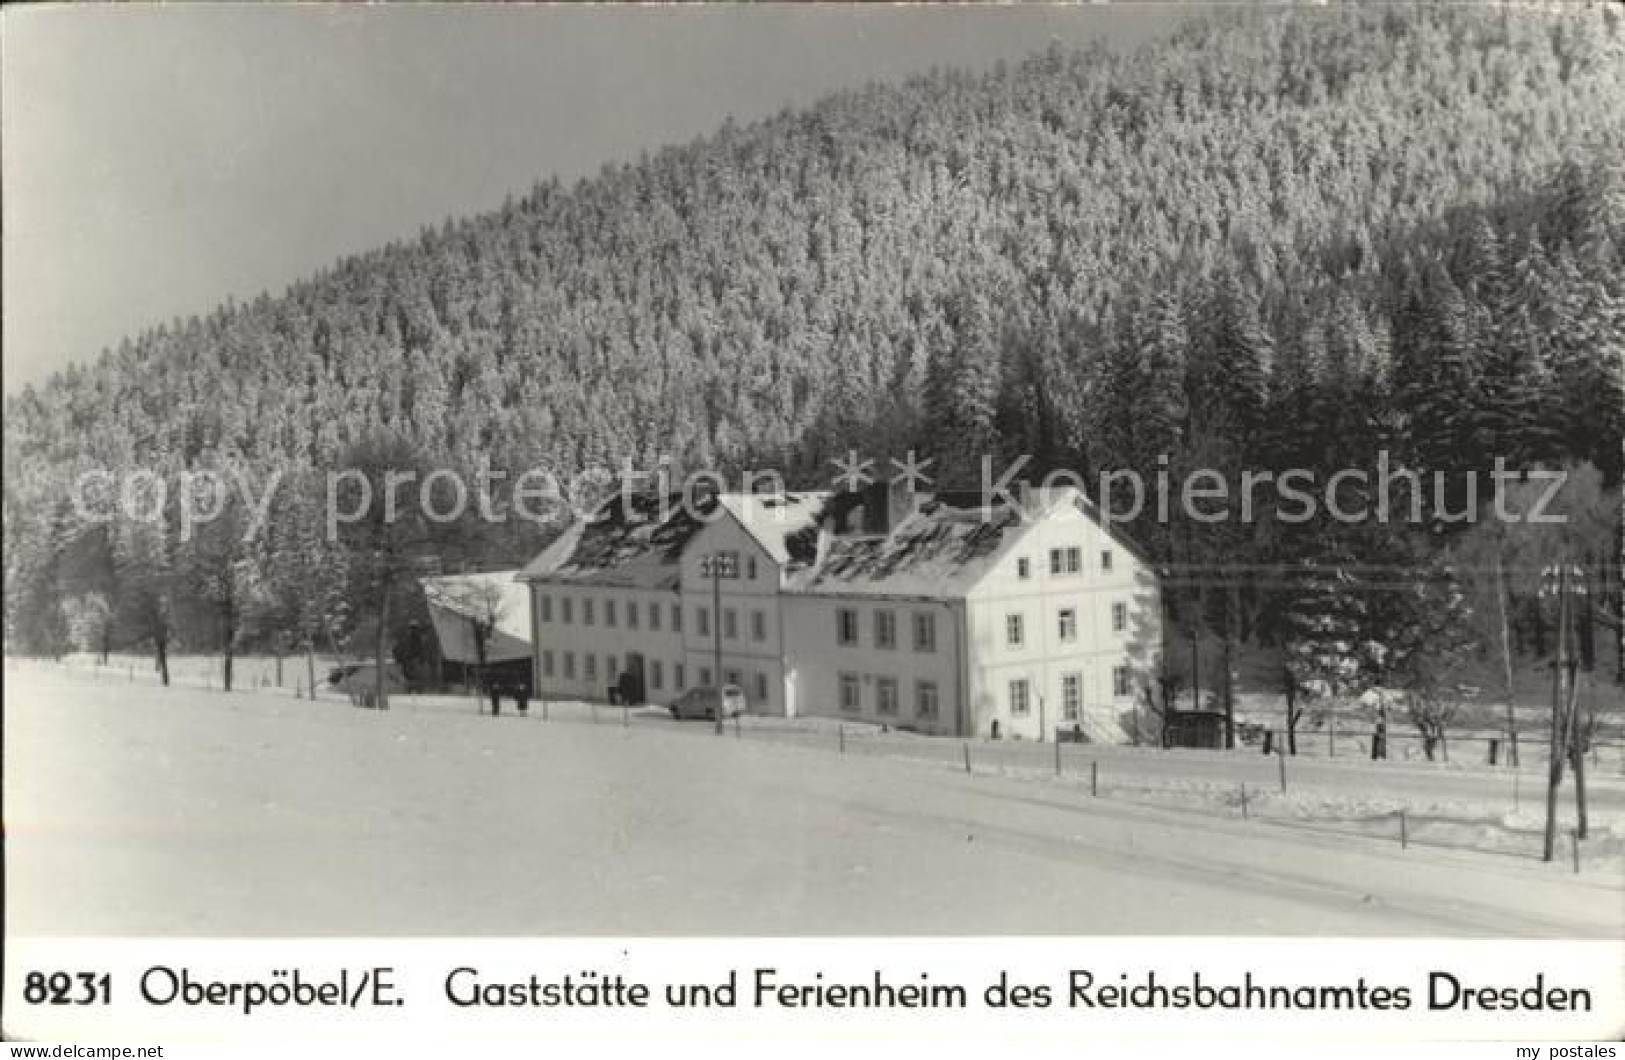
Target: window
{"type": "Point", "coordinates": [677, 676]}
{"type": "Point", "coordinates": [1106, 560]}
{"type": "Point", "coordinates": [750, 568]}
{"type": "Point", "coordinates": [925, 631]}
{"type": "Point", "coordinates": [705, 677]}
{"type": "Point", "coordinates": [566, 609]}
{"type": "Point", "coordinates": [851, 695]}
{"type": "Point", "coordinates": [1074, 560]}
{"type": "Point", "coordinates": [547, 608]}
{"type": "Point", "coordinates": [654, 615]}
{"type": "Point", "coordinates": [589, 663]}
{"type": "Point", "coordinates": [1119, 617]}
{"type": "Point", "coordinates": [885, 629]}
{"type": "Point", "coordinates": [1013, 632]}
{"type": "Point", "coordinates": [925, 699]}
{"type": "Point", "coordinates": [702, 621]}
{"type": "Point", "coordinates": [732, 677]}
{"type": "Point", "coordinates": [1068, 623]}
{"type": "Point", "coordinates": [1055, 561]}
{"type": "Point", "coordinates": [1024, 568]}
{"type": "Point", "coordinates": [586, 611]}
{"type": "Point", "coordinates": [609, 612]}
{"type": "Point", "coordinates": [547, 664]}
{"type": "Point", "coordinates": [569, 666]}
{"type": "Point", "coordinates": [846, 626]}
{"type": "Point", "coordinates": [676, 618]}
{"type": "Point", "coordinates": [886, 696]}
{"type": "Point", "coordinates": [761, 688]}
{"type": "Point", "coordinates": [1071, 696]}
{"type": "Point", "coordinates": [1065, 560]}
{"type": "Point", "coordinates": [1019, 698]}
{"type": "Point", "coordinates": [758, 625]}
{"type": "Point", "coordinates": [631, 614]}
{"type": "Point", "coordinates": [1120, 681]}
{"type": "Point", "coordinates": [657, 674]}
{"type": "Point", "coordinates": [730, 623]}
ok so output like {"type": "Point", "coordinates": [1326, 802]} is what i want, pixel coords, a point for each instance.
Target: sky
{"type": "Point", "coordinates": [160, 158]}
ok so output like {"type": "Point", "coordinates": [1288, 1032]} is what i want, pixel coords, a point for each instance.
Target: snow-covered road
{"type": "Point", "coordinates": [136, 810]}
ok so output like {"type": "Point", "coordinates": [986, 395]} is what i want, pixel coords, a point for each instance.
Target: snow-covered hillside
{"type": "Point", "coordinates": [132, 809]}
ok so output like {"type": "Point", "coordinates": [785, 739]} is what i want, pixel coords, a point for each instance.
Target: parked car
{"type": "Point", "coordinates": [702, 703]}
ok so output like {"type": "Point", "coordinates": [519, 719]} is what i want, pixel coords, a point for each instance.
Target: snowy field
{"type": "Point", "coordinates": [137, 810]}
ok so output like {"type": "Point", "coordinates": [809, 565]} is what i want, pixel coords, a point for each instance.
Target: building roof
{"type": "Point", "coordinates": [942, 549]}
{"type": "Point", "coordinates": [778, 521]}
{"type": "Point", "coordinates": [457, 601]}
{"type": "Point", "coordinates": [634, 540]}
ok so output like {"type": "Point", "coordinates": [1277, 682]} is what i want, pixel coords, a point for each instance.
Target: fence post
{"type": "Point", "coordinates": [840, 734]}
{"type": "Point", "coordinates": [1057, 757]}
{"type": "Point", "coordinates": [1280, 754]}
{"type": "Point", "coordinates": [967, 756]}
{"type": "Point", "coordinates": [1515, 792]}
{"type": "Point", "coordinates": [1244, 802]}
{"type": "Point", "coordinates": [1404, 832]}
{"type": "Point", "coordinates": [1574, 841]}
{"type": "Point", "coordinates": [1094, 778]}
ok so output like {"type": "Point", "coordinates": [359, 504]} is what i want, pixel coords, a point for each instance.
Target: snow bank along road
{"type": "Point", "coordinates": [134, 810]}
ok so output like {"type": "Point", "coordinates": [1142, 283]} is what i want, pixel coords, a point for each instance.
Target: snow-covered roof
{"type": "Point", "coordinates": [633, 540]}
{"type": "Point", "coordinates": [942, 549]}
{"type": "Point", "coordinates": [458, 601]}
{"type": "Point", "coordinates": [636, 541]}
{"type": "Point", "coordinates": [935, 546]}
{"type": "Point", "coordinates": [777, 520]}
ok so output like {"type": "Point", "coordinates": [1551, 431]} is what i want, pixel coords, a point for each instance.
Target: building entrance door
{"type": "Point", "coordinates": [632, 688]}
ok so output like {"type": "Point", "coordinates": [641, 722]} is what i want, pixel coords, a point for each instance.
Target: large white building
{"type": "Point", "coordinates": [931, 613]}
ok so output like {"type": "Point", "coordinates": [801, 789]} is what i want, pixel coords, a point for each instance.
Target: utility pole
{"type": "Point", "coordinates": [1562, 671]}
{"type": "Point", "coordinates": [1196, 675]}
{"type": "Point", "coordinates": [1576, 752]}
{"type": "Point", "coordinates": [1572, 731]}
{"type": "Point", "coordinates": [1506, 659]}
{"type": "Point", "coordinates": [717, 566]}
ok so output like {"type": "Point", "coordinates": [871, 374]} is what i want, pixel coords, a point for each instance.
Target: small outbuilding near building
{"type": "Point", "coordinates": [468, 607]}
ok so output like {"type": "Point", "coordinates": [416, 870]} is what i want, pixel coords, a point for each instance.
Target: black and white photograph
{"type": "Point", "coordinates": [480, 472]}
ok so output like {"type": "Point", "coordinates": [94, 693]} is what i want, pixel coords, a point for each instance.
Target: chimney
{"type": "Point", "coordinates": [886, 504]}
{"type": "Point", "coordinates": [876, 505]}
{"type": "Point", "coordinates": [903, 502]}
{"type": "Point", "coordinates": [700, 496]}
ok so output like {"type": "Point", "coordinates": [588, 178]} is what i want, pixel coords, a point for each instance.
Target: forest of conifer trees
{"type": "Point", "coordinates": [1273, 241]}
